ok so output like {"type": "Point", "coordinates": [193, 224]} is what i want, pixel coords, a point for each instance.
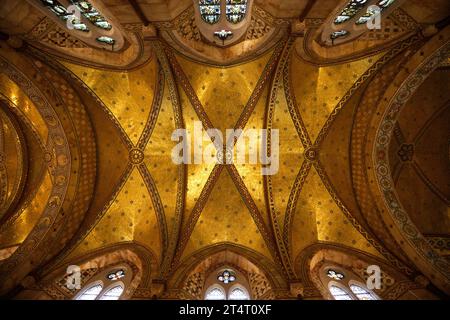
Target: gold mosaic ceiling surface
{"type": "Point", "coordinates": [222, 204]}
{"type": "Point", "coordinates": [225, 216]}
{"type": "Point", "coordinates": [28, 213]}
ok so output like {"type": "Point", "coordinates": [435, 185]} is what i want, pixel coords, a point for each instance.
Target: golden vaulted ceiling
{"type": "Point", "coordinates": [86, 170]}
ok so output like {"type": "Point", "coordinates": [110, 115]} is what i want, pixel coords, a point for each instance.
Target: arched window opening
{"type": "Point", "coordinates": [210, 10]}
{"type": "Point", "coordinates": [91, 293]}
{"type": "Point", "coordinates": [361, 293]}
{"type": "Point", "coordinates": [112, 294]}
{"type": "Point", "coordinates": [350, 10]}
{"type": "Point", "coordinates": [225, 283]}
{"type": "Point", "coordinates": [86, 21]}
{"type": "Point", "coordinates": [110, 284]}
{"type": "Point", "coordinates": [339, 293]}
{"type": "Point", "coordinates": [215, 293]}
{"type": "Point", "coordinates": [236, 10]}
{"type": "Point", "coordinates": [374, 10]}
{"type": "Point", "coordinates": [343, 284]}
{"type": "Point", "coordinates": [238, 294]}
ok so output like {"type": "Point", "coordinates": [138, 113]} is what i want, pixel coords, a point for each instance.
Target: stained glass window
{"type": "Point", "coordinates": [210, 10]}
{"type": "Point", "coordinates": [226, 276]}
{"type": "Point", "coordinates": [361, 293]}
{"type": "Point", "coordinates": [236, 10]}
{"type": "Point", "coordinates": [61, 11]}
{"type": "Point", "coordinates": [107, 40]}
{"type": "Point", "coordinates": [92, 14]}
{"type": "Point", "coordinates": [373, 10]}
{"type": "Point", "coordinates": [238, 294]}
{"type": "Point", "coordinates": [352, 8]}
{"type": "Point", "coordinates": [215, 294]}
{"type": "Point", "coordinates": [91, 293]}
{"type": "Point", "coordinates": [113, 293]}
{"type": "Point", "coordinates": [339, 294]}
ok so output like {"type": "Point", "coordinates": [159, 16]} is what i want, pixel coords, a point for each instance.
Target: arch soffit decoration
{"type": "Point", "coordinates": [276, 279]}
{"type": "Point", "coordinates": [238, 29]}
{"type": "Point", "coordinates": [51, 35]}
{"type": "Point", "coordinates": [138, 259]}
{"type": "Point", "coordinates": [93, 32]}
{"type": "Point", "coordinates": [41, 243]}
{"type": "Point", "coordinates": [261, 35]}
{"type": "Point", "coordinates": [422, 64]}
{"type": "Point", "coordinates": [312, 258]}
{"type": "Point", "coordinates": [359, 46]}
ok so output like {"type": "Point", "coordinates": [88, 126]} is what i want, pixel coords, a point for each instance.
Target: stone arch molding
{"type": "Point", "coordinates": [421, 65]}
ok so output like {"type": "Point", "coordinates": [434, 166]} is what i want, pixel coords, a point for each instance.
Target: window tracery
{"type": "Point", "coordinates": [91, 293]}
{"type": "Point", "coordinates": [109, 284]}
{"type": "Point", "coordinates": [61, 12]}
{"type": "Point", "coordinates": [351, 20]}
{"type": "Point", "coordinates": [361, 293]}
{"type": "Point", "coordinates": [112, 294]}
{"type": "Point", "coordinates": [92, 14]}
{"type": "Point", "coordinates": [87, 21]}
{"type": "Point", "coordinates": [210, 10]}
{"type": "Point", "coordinates": [339, 293]}
{"type": "Point", "coordinates": [350, 10]}
{"type": "Point", "coordinates": [374, 10]}
{"type": "Point", "coordinates": [215, 293]}
{"type": "Point", "coordinates": [238, 293]}
{"type": "Point", "coordinates": [344, 284]}
{"type": "Point", "coordinates": [236, 10]}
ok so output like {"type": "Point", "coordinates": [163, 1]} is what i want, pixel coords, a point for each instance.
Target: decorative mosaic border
{"type": "Point", "coordinates": [381, 161]}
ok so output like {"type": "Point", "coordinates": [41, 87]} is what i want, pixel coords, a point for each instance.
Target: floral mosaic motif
{"type": "Point", "coordinates": [406, 152]}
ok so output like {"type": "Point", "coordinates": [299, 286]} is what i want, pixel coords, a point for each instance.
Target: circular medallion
{"type": "Point", "coordinates": [136, 156]}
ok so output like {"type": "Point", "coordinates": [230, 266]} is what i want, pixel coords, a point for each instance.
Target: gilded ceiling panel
{"type": "Point", "coordinates": [425, 208]}
{"type": "Point", "coordinates": [226, 218]}
{"type": "Point", "coordinates": [131, 217]}
{"type": "Point", "coordinates": [197, 174]}
{"type": "Point", "coordinates": [335, 150]}
{"type": "Point", "coordinates": [432, 152]}
{"type": "Point", "coordinates": [433, 94]}
{"type": "Point", "coordinates": [224, 92]}
{"type": "Point", "coordinates": [13, 165]}
{"type": "Point", "coordinates": [291, 153]}
{"type": "Point", "coordinates": [316, 206]}
{"type": "Point", "coordinates": [251, 173]}
{"type": "Point", "coordinates": [159, 161]}
{"type": "Point", "coordinates": [303, 230]}
{"type": "Point", "coordinates": [29, 214]}
{"type": "Point", "coordinates": [128, 95]}
{"type": "Point", "coordinates": [421, 178]}
{"type": "Point", "coordinates": [319, 89]}
{"type": "Point", "coordinates": [13, 93]}
{"type": "Point", "coordinates": [112, 155]}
